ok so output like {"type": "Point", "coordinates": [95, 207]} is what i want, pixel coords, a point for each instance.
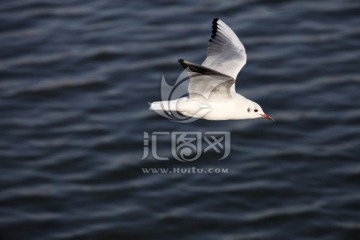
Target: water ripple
{"type": "Point", "coordinates": [75, 81]}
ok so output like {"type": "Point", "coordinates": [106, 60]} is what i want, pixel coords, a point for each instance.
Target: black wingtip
{"type": "Point", "coordinates": [214, 28]}
{"type": "Point", "coordinates": [181, 61]}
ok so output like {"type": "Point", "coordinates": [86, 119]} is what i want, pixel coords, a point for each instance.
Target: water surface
{"type": "Point", "coordinates": [75, 81]}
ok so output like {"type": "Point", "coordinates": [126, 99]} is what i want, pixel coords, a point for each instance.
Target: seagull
{"type": "Point", "coordinates": [211, 90]}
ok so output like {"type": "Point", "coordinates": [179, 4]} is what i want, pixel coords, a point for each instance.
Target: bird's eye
{"type": "Point", "coordinates": [248, 109]}
{"type": "Point", "coordinates": [255, 110]}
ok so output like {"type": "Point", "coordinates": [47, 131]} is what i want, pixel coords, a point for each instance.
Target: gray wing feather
{"type": "Point", "coordinates": [207, 83]}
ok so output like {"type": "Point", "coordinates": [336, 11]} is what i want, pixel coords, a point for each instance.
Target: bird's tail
{"type": "Point", "coordinates": [164, 106]}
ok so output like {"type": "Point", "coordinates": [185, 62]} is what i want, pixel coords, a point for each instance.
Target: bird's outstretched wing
{"type": "Point", "coordinates": [226, 54]}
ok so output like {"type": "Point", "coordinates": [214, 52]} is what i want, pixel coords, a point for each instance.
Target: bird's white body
{"type": "Point", "coordinates": [212, 94]}
{"type": "Point", "coordinates": [227, 109]}
{"type": "Point", "coordinates": [218, 110]}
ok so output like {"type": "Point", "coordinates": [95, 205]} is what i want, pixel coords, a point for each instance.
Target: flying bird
{"type": "Point", "coordinates": [211, 89]}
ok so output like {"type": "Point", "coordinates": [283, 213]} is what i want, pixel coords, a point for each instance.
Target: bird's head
{"type": "Point", "coordinates": [253, 110]}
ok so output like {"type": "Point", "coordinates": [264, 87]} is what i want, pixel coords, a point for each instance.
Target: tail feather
{"type": "Point", "coordinates": [163, 106]}
{"type": "Point", "coordinates": [156, 106]}
{"type": "Point", "coordinates": [166, 105]}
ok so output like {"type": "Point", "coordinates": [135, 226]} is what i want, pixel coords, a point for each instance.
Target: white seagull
{"type": "Point", "coordinates": [212, 84]}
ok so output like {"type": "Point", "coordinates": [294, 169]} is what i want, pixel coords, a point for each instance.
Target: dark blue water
{"type": "Point", "coordinates": [75, 81]}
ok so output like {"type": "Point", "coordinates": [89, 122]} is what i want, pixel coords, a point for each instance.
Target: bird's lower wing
{"type": "Point", "coordinates": [206, 83]}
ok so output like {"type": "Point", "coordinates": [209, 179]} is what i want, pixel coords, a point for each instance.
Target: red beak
{"type": "Point", "coordinates": [267, 116]}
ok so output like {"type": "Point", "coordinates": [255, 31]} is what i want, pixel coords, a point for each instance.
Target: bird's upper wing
{"type": "Point", "coordinates": [226, 54]}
